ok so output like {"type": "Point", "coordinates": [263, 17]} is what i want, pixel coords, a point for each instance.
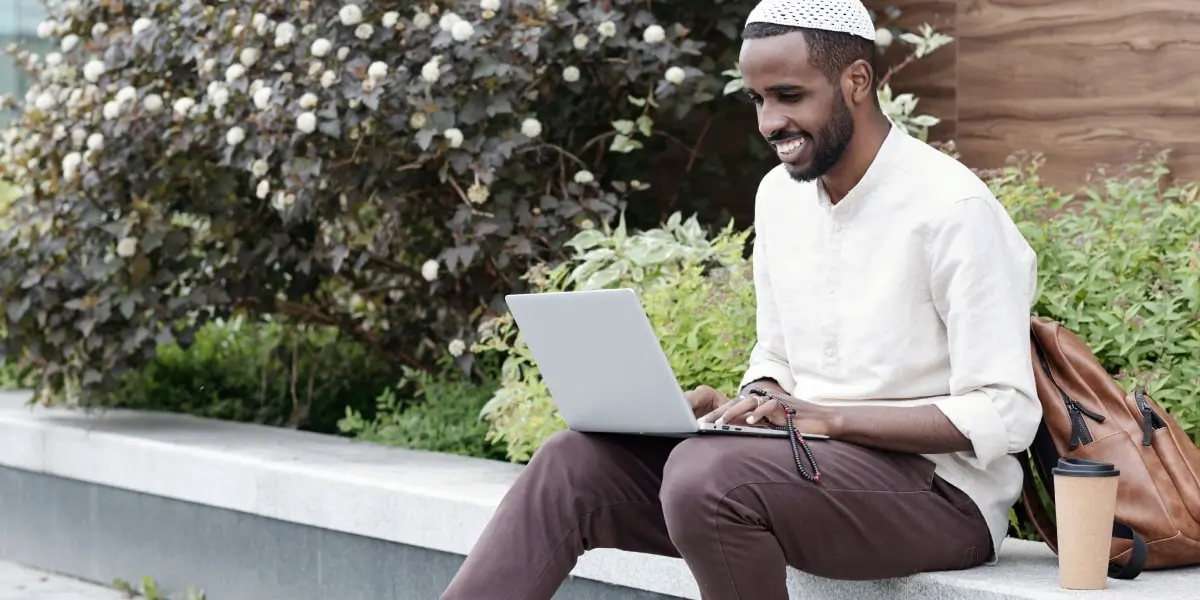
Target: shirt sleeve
{"type": "Point", "coordinates": [768, 357]}
{"type": "Point", "coordinates": [983, 276]}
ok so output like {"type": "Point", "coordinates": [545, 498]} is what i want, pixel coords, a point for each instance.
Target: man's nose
{"type": "Point", "coordinates": [771, 121]}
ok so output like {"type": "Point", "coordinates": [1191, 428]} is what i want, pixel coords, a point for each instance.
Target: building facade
{"type": "Point", "coordinates": [18, 23]}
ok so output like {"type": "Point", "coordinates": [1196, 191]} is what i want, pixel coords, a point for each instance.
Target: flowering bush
{"type": "Point", "coordinates": [387, 168]}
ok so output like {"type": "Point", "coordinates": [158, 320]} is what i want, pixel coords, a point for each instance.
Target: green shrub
{"type": "Point", "coordinates": [261, 372]}
{"type": "Point", "coordinates": [385, 168]}
{"type": "Point", "coordinates": [1119, 264]}
{"type": "Point", "coordinates": [698, 294]}
{"type": "Point", "coordinates": [443, 415]}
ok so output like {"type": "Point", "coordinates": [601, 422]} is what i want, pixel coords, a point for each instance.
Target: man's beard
{"type": "Point", "coordinates": [830, 143]}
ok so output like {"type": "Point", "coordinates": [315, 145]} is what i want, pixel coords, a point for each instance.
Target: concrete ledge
{"type": "Point", "coordinates": [433, 501]}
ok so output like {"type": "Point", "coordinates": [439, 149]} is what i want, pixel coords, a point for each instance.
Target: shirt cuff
{"type": "Point", "coordinates": [769, 370]}
{"type": "Point", "coordinates": [976, 417]}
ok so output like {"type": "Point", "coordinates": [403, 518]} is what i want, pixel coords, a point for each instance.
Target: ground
{"type": "Point", "coordinates": [20, 583]}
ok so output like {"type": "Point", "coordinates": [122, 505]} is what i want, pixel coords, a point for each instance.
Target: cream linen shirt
{"type": "Point", "coordinates": [914, 289]}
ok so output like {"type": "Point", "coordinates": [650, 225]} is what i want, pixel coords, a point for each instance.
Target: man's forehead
{"type": "Point", "coordinates": [785, 54]}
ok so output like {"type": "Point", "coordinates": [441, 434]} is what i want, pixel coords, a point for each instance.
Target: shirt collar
{"type": "Point", "coordinates": [877, 173]}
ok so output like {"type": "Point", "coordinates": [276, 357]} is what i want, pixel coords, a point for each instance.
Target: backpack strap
{"type": "Point", "coordinates": [1137, 556]}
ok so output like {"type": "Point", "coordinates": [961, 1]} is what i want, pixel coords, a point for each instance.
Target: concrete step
{"type": "Point", "coordinates": [243, 496]}
{"type": "Point", "coordinates": [23, 583]}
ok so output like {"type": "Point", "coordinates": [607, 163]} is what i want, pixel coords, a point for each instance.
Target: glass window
{"type": "Point", "coordinates": [18, 23]}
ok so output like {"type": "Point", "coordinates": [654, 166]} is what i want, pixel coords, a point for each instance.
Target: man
{"type": "Point", "coordinates": [893, 296]}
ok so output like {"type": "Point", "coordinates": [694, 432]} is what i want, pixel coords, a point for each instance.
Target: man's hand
{"type": "Point", "coordinates": [758, 410]}
{"type": "Point", "coordinates": [705, 399]}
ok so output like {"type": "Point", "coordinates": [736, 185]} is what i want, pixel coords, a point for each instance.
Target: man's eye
{"type": "Point", "coordinates": [789, 98]}
{"type": "Point", "coordinates": [755, 98]}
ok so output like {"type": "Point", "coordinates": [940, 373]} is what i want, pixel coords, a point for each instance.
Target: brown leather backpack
{"type": "Point", "coordinates": [1087, 414]}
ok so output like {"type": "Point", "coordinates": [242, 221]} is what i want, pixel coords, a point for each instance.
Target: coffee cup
{"type": "Point", "coordinates": [1085, 501]}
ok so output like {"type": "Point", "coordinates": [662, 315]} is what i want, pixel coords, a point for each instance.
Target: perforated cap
{"type": "Point", "coordinates": [846, 16]}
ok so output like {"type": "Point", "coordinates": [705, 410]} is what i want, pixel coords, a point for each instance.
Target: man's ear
{"type": "Point", "coordinates": [858, 83]}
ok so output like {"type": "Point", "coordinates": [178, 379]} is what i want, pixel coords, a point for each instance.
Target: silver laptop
{"type": "Point", "coordinates": [604, 366]}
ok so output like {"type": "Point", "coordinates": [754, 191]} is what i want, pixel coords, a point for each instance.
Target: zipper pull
{"type": "Point", "coordinates": [1095, 416]}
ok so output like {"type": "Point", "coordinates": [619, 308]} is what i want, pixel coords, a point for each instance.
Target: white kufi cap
{"type": "Point", "coordinates": [846, 16]}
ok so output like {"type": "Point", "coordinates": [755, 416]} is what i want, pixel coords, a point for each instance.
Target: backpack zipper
{"type": "Point", "coordinates": [1080, 434]}
{"type": "Point", "coordinates": [1150, 419]}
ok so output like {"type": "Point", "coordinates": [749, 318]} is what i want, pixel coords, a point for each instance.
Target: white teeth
{"type": "Point", "coordinates": [790, 146]}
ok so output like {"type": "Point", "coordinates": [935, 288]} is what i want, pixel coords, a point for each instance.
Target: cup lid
{"type": "Point", "coordinates": [1082, 467]}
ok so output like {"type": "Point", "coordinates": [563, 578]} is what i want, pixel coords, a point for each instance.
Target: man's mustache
{"type": "Point", "coordinates": [784, 136]}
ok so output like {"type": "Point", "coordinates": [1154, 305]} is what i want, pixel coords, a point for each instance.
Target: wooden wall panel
{"type": "Point", "coordinates": [1086, 82]}
{"type": "Point", "coordinates": [933, 78]}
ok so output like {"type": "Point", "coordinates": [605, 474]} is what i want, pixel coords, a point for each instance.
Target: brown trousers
{"type": "Point", "coordinates": [733, 508]}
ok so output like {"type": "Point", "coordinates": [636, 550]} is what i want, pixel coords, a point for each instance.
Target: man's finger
{"type": "Point", "coordinates": [735, 410]}
{"type": "Point", "coordinates": [763, 411]}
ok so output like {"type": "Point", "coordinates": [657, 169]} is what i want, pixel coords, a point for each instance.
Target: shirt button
{"type": "Point", "coordinates": [838, 228]}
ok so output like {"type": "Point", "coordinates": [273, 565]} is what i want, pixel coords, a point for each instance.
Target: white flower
{"type": "Point", "coordinates": [259, 167]}
{"type": "Point", "coordinates": [79, 136]}
{"type": "Point", "coordinates": [99, 29]}
{"type": "Point", "coordinates": [457, 347]}
{"type": "Point", "coordinates": [675, 75]}
{"type": "Point", "coordinates": [448, 20]}
{"type": "Point", "coordinates": [93, 70]}
{"type": "Point", "coordinates": [209, 65]}
{"type": "Point", "coordinates": [607, 29]}
{"type": "Point", "coordinates": [234, 72]}
{"type": "Point", "coordinates": [422, 20]}
{"type": "Point", "coordinates": [308, 101]}
{"type": "Point", "coordinates": [259, 22]}
{"type": "Point", "coordinates": [531, 127]}
{"type": "Point", "coordinates": [238, 29]}
{"type": "Point", "coordinates": [70, 165]}
{"type": "Point", "coordinates": [580, 41]}
{"type": "Point", "coordinates": [478, 193]}
{"type": "Point", "coordinates": [141, 25]}
{"type": "Point", "coordinates": [183, 106]}
{"type": "Point", "coordinates": [219, 96]}
{"type": "Point", "coordinates": [127, 94]}
{"type": "Point", "coordinates": [60, 133]}
{"type": "Point", "coordinates": [262, 98]}
{"type": "Point", "coordinates": [584, 177]}
{"type": "Point", "coordinates": [462, 31]}
{"type": "Point", "coordinates": [488, 15]}
{"type": "Point", "coordinates": [54, 59]}
{"type": "Point", "coordinates": [431, 71]}
{"type": "Point", "coordinates": [343, 52]}
{"type": "Point", "coordinates": [429, 270]}
{"type": "Point", "coordinates": [45, 102]}
{"type": "Point", "coordinates": [654, 34]}
{"type": "Point", "coordinates": [315, 68]}
{"type": "Point", "coordinates": [284, 34]}
{"type": "Point", "coordinates": [570, 74]}
{"type": "Point", "coordinates": [263, 188]}
{"type": "Point", "coordinates": [306, 122]}
{"type": "Point", "coordinates": [235, 136]}
{"type": "Point", "coordinates": [453, 135]}
{"type": "Point", "coordinates": [489, 4]}
{"type": "Point", "coordinates": [418, 120]}
{"type": "Point", "coordinates": [364, 31]}
{"type": "Point", "coordinates": [368, 86]}
{"type": "Point", "coordinates": [350, 14]}
{"type": "Point", "coordinates": [377, 70]}
{"type": "Point", "coordinates": [390, 18]}
{"type": "Point", "coordinates": [249, 56]}
{"type": "Point", "coordinates": [46, 28]}
{"type": "Point", "coordinates": [321, 47]}
{"type": "Point", "coordinates": [153, 103]}
{"type": "Point", "coordinates": [127, 247]}
{"type": "Point", "coordinates": [883, 37]}
{"type": "Point", "coordinates": [328, 78]}
{"type": "Point", "coordinates": [69, 42]}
